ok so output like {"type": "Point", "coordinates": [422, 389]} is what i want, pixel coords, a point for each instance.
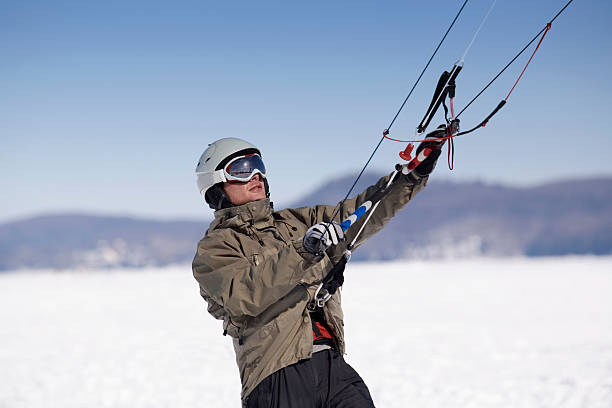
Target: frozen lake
{"type": "Point", "coordinates": [472, 333]}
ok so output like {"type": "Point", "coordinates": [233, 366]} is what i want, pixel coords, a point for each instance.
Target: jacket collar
{"type": "Point", "coordinates": [256, 213]}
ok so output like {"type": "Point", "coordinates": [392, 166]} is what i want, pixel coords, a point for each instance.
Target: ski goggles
{"type": "Point", "coordinates": [243, 168]}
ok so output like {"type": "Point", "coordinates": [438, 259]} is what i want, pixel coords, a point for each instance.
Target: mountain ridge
{"type": "Point", "coordinates": [447, 219]}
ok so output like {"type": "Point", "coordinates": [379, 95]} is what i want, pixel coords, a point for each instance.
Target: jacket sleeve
{"type": "Point", "coordinates": [402, 190]}
{"type": "Point", "coordinates": [241, 287]}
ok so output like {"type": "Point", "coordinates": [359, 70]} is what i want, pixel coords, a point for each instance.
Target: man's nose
{"type": "Point", "coordinates": [256, 177]}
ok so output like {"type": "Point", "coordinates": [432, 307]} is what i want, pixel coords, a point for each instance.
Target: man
{"type": "Point", "coordinates": [258, 270]}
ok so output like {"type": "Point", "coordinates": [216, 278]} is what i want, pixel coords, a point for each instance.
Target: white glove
{"type": "Point", "coordinates": [321, 236]}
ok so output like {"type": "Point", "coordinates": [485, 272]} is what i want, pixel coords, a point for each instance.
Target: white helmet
{"type": "Point", "coordinates": [209, 171]}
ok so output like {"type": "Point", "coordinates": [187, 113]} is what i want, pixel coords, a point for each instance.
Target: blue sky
{"type": "Point", "coordinates": [106, 106]}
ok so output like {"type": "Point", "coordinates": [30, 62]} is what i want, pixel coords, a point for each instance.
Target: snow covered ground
{"type": "Point", "coordinates": [472, 333]}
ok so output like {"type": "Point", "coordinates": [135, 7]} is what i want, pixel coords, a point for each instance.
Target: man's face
{"type": "Point", "coordinates": [241, 193]}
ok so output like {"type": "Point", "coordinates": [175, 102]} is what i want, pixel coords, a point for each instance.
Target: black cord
{"type": "Point", "coordinates": [426, 66]}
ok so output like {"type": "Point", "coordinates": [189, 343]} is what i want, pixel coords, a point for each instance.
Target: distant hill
{"type": "Point", "coordinates": [466, 219]}
{"type": "Point", "coordinates": [75, 240]}
{"type": "Point", "coordinates": [445, 220]}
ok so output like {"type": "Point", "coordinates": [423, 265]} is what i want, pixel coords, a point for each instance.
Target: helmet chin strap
{"type": "Point", "coordinates": [267, 187]}
{"type": "Point", "coordinates": [216, 198]}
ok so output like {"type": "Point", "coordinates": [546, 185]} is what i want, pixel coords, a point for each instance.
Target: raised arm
{"type": "Point", "coordinates": [400, 193]}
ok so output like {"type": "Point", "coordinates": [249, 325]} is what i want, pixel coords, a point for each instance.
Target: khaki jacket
{"type": "Point", "coordinates": [255, 276]}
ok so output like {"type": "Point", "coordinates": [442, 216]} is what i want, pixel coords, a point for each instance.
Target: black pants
{"type": "Point", "coordinates": [325, 380]}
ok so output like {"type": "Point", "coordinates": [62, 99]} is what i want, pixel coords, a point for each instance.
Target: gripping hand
{"type": "Point", "coordinates": [321, 236]}
{"type": "Point", "coordinates": [427, 165]}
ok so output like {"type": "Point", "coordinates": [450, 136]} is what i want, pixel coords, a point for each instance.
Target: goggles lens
{"type": "Point", "coordinates": [243, 168]}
